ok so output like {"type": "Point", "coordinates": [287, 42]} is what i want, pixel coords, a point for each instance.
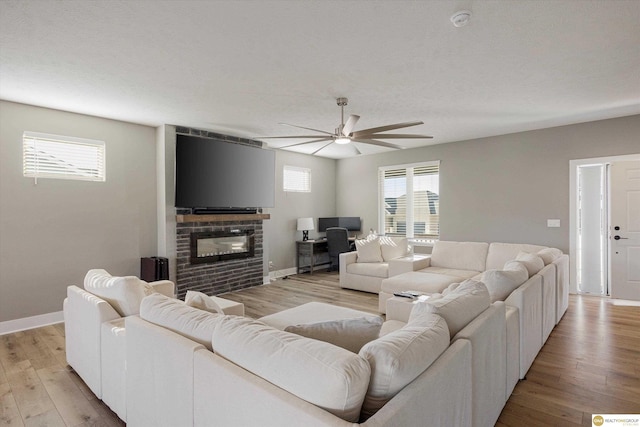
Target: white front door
{"type": "Point", "coordinates": [625, 230]}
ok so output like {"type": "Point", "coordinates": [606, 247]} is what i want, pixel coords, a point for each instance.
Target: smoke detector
{"type": "Point", "coordinates": [461, 18]}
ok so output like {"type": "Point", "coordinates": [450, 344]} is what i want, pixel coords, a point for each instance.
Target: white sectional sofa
{"type": "Point", "coordinates": [95, 335]}
{"type": "Point", "coordinates": [536, 302]}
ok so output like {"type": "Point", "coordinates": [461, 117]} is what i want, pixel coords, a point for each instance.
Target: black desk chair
{"type": "Point", "coordinates": [337, 243]}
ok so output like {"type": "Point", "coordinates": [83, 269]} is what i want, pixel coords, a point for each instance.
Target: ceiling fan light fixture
{"type": "Point", "coordinates": [342, 140]}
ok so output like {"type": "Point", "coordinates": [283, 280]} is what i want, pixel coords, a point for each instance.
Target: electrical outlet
{"type": "Point", "coordinates": [553, 223]}
{"type": "Point", "coordinates": [271, 265]}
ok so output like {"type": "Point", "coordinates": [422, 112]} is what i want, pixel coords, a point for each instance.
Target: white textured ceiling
{"type": "Point", "coordinates": [241, 67]}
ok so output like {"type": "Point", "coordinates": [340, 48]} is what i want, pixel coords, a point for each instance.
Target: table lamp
{"type": "Point", "coordinates": [304, 225]}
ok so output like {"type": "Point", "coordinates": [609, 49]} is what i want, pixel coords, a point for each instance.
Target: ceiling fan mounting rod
{"type": "Point", "coordinates": [341, 103]}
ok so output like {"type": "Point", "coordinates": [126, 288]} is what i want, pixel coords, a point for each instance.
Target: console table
{"type": "Point", "coordinates": [308, 254]}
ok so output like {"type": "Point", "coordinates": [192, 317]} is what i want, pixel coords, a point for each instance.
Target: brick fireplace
{"type": "Point", "coordinates": [220, 274]}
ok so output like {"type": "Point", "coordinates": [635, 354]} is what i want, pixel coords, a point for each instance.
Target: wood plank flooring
{"type": "Point", "coordinates": [590, 363]}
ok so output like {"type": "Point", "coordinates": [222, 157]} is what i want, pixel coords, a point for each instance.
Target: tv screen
{"type": "Point", "coordinates": [221, 175]}
{"type": "Point", "coordinates": [351, 223]}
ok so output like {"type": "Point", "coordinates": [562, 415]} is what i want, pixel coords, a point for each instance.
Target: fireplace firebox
{"type": "Point", "coordinates": [213, 246]}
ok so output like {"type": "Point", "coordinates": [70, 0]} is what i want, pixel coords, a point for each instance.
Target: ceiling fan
{"type": "Point", "coordinates": [345, 134]}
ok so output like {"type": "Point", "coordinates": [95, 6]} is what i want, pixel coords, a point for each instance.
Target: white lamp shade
{"type": "Point", "coordinates": [305, 224]}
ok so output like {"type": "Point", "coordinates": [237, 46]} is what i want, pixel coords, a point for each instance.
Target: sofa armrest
{"type": "Point", "coordinates": [164, 287]}
{"type": "Point", "coordinates": [408, 263]}
{"type": "Point", "coordinates": [348, 258]}
{"type": "Point", "coordinates": [84, 314]}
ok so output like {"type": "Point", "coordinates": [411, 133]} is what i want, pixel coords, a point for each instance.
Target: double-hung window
{"type": "Point", "coordinates": [409, 200]}
{"type": "Point", "coordinates": [64, 157]}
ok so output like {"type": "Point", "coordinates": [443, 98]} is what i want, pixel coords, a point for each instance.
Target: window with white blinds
{"type": "Point", "coordinates": [63, 157]}
{"type": "Point", "coordinates": [410, 200]}
{"type": "Point", "coordinates": [296, 179]}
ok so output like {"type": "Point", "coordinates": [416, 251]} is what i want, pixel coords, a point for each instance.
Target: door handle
{"type": "Point", "coordinates": [618, 238]}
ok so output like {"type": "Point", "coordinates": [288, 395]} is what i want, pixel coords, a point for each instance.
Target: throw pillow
{"type": "Point", "coordinates": [202, 301]}
{"type": "Point", "coordinates": [350, 334]}
{"type": "Point", "coordinates": [399, 357]}
{"type": "Point", "coordinates": [532, 261]}
{"type": "Point", "coordinates": [393, 248]}
{"type": "Point", "coordinates": [459, 307]}
{"type": "Point", "coordinates": [124, 294]}
{"type": "Point", "coordinates": [501, 283]}
{"type": "Point", "coordinates": [549, 255]}
{"type": "Point", "coordinates": [368, 250]}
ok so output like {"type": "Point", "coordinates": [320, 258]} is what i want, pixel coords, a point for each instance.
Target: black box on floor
{"type": "Point", "coordinates": [154, 268]}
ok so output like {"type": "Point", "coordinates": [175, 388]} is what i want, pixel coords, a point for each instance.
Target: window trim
{"type": "Point", "coordinates": [30, 160]}
{"type": "Point", "coordinates": [409, 168]}
{"type": "Point", "coordinates": [307, 179]}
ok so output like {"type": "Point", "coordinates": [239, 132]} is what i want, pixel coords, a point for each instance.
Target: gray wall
{"type": "Point", "coordinates": [53, 232]}
{"type": "Point", "coordinates": [501, 188]}
{"type": "Point", "coordinates": [280, 232]}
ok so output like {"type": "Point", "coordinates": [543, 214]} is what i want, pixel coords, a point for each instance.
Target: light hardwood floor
{"type": "Point", "coordinates": [590, 363]}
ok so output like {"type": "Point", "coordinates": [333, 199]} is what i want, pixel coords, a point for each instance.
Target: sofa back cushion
{"type": "Point", "coordinates": [458, 307]}
{"type": "Point", "coordinates": [399, 357]}
{"type": "Point", "coordinates": [175, 315]}
{"type": "Point", "coordinates": [123, 293]}
{"type": "Point", "coordinates": [350, 334]}
{"type": "Point", "coordinates": [320, 373]}
{"type": "Point", "coordinates": [501, 283]}
{"type": "Point", "coordinates": [500, 253]}
{"type": "Point", "coordinates": [532, 261]}
{"type": "Point", "coordinates": [549, 255]}
{"type": "Point", "coordinates": [460, 255]}
{"type": "Point", "coordinates": [393, 247]}
{"type": "Point", "coordinates": [368, 250]}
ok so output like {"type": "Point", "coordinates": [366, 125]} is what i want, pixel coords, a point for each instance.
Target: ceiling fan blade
{"type": "Point", "coordinates": [355, 147]}
{"type": "Point", "coordinates": [378, 143]}
{"type": "Point", "coordinates": [308, 142]}
{"type": "Point", "coordinates": [397, 136]}
{"type": "Point", "coordinates": [351, 122]}
{"type": "Point", "coordinates": [366, 132]}
{"type": "Point", "coordinates": [291, 136]}
{"type": "Point", "coordinates": [302, 127]}
{"type": "Point", "coordinates": [324, 146]}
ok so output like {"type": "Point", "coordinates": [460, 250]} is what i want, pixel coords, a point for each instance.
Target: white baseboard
{"type": "Point", "coordinates": [279, 274]}
{"type": "Point", "coordinates": [25, 323]}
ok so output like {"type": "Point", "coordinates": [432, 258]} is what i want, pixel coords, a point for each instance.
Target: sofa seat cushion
{"type": "Point", "coordinates": [180, 318]}
{"type": "Point", "coordinates": [460, 274]}
{"type": "Point", "coordinates": [123, 293]}
{"type": "Point", "coordinates": [460, 255]}
{"type": "Point", "coordinates": [399, 357]}
{"type": "Point", "coordinates": [458, 307]}
{"type": "Point", "coordinates": [320, 373]}
{"type": "Point", "coordinates": [350, 334]}
{"type": "Point", "coordinates": [427, 283]}
{"type": "Point", "coordinates": [371, 269]}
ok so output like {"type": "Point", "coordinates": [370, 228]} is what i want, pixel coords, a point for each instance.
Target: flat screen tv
{"type": "Point", "coordinates": [215, 175]}
{"type": "Point", "coordinates": [351, 223]}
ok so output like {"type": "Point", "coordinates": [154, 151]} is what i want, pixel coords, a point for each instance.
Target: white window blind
{"type": "Point", "coordinates": [296, 179]}
{"type": "Point", "coordinates": [62, 157]}
{"type": "Point", "coordinates": [409, 200]}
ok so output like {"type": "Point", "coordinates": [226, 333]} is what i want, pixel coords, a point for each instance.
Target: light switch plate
{"type": "Point", "coordinates": [553, 223]}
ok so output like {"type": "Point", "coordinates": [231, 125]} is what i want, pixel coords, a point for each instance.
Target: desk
{"type": "Point", "coordinates": [313, 253]}
{"type": "Point", "coordinates": [307, 254]}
